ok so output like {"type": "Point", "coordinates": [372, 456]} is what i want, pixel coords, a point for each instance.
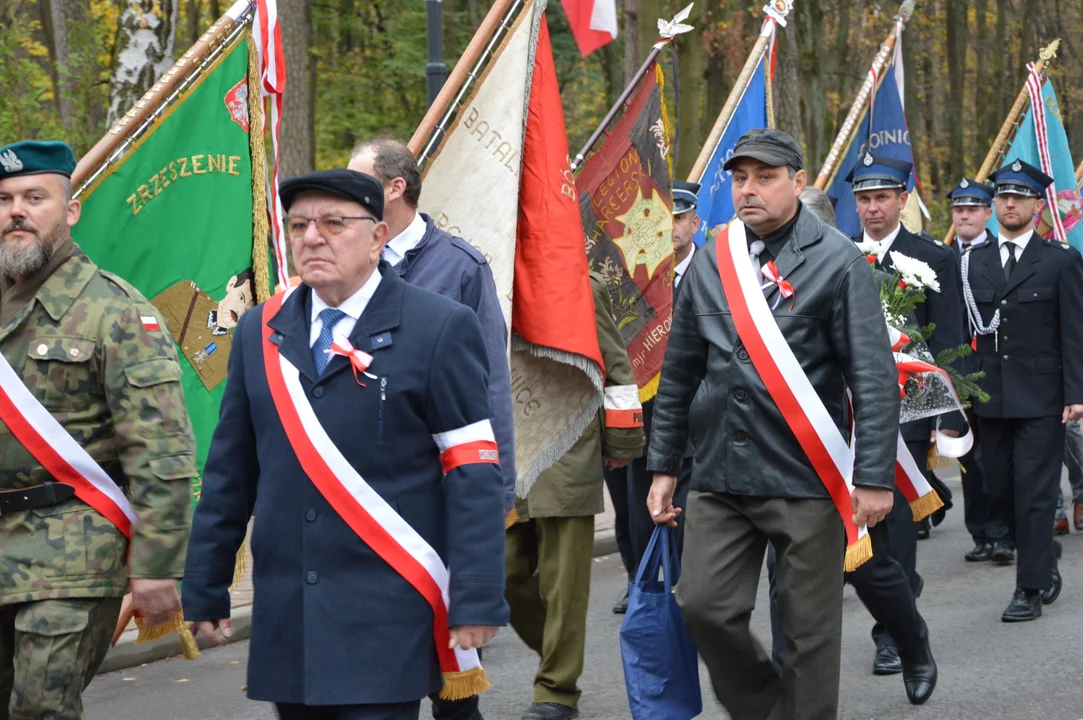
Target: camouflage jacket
{"type": "Point", "coordinates": [83, 351]}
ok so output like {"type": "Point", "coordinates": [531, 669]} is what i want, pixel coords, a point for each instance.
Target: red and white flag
{"type": "Point", "coordinates": [594, 23]}
{"type": "Point", "coordinates": [520, 209]}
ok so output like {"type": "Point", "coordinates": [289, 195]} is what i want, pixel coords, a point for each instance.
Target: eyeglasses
{"type": "Point", "coordinates": [328, 225]}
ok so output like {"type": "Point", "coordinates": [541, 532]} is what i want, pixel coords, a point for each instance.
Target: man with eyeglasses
{"type": "Point", "coordinates": [429, 257]}
{"type": "Point", "coordinates": [355, 427]}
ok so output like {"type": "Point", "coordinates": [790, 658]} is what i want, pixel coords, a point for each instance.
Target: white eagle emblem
{"type": "Point", "coordinates": [1017, 166]}
{"type": "Point", "coordinates": [964, 184]}
{"type": "Point", "coordinates": [868, 159]}
{"type": "Point", "coordinates": [11, 161]}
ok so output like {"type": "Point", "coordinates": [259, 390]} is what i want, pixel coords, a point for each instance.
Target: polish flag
{"type": "Point", "coordinates": [594, 22]}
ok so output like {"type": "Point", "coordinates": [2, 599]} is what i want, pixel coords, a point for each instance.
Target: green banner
{"type": "Point", "coordinates": [174, 218]}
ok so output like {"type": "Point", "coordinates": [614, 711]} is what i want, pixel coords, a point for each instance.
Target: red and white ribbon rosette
{"type": "Point", "coordinates": [785, 289]}
{"type": "Point", "coordinates": [359, 359]}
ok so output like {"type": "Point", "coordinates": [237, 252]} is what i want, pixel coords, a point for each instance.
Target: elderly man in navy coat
{"type": "Point", "coordinates": [355, 426]}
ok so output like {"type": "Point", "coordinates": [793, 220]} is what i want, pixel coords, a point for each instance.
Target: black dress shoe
{"type": "Point", "coordinates": [1003, 552]}
{"type": "Point", "coordinates": [919, 675]}
{"type": "Point", "coordinates": [621, 606]}
{"type": "Point", "coordinates": [1025, 605]}
{"type": "Point", "coordinates": [920, 588]}
{"type": "Point", "coordinates": [924, 527]}
{"type": "Point", "coordinates": [550, 711]}
{"type": "Point", "coordinates": [982, 552]}
{"type": "Point", "coordinates": [887, 661]}
{"type": "Point", "coordinates": [1050, 595]}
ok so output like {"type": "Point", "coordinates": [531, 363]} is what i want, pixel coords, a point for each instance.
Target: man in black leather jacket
{"type": "Point", "coordinates": [751, 480]}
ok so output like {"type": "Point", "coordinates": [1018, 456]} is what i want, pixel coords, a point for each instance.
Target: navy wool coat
{"type": "Point", "coordinates": [332, 623]}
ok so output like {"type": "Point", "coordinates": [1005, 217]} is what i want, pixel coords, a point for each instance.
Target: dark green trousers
{"type": "Point", "coordinates": [725, 540]}
{"type": "Point", "coordinates": [49, 652]}
{"type": "Point", "coordinates": [548, 564]}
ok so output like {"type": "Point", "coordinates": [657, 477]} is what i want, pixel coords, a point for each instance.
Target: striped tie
{"type": "Point", "coordinates": [328, 319]}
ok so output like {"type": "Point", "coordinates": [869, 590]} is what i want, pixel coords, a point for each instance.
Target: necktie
{"type": "Point", "coordinates": [964, 246]}
{"type": "Point", "coordinates": [754, 251]}
{"type": "Point", "coordinates": [1010, 265]}
{"type": "Point", "coordinates": [328, 319]}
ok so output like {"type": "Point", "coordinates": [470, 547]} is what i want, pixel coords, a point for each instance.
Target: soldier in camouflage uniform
{"type": "Point", "coordinates": [100, 359]}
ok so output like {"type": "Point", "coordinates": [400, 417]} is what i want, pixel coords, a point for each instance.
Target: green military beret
{"type": "Point", "coordinates": [34, 157]}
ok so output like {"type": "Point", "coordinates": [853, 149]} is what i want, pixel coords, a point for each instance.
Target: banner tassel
{"type": "Point", "coordinates": [926, 505]}
{"type": "Point", "coordinates": [461, 685]}
{"type": "Point", "coordinates": [240, 566]}
{"type": "Point", "coordinates": [147, 633]}
{"type": "Point", "coordinates": [511, 519]}
{"type": "Point", "coordinates": [858, 553]}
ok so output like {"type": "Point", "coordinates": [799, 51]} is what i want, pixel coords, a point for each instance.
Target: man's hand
{"type": "Point", "coordinates": [1071, 412]}
{"type": "Point", "coordinates": [612, 463]}
{"type": "Point", "coordinates": [871, 505]}
{"type": "Point", "coordinates": [471, 637]}
{"type": "Point", "coordinates": [156, 601]}
{"type": "Point", "coordinates": [660, 500]}
{"type": "Point", "coordinates": [207, 629]}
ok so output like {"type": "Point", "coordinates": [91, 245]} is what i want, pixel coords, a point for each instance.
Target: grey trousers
{"type": "Point", "coordinates": [726, 537]}
{"type": "Point", "coordinates": [1073, 458]}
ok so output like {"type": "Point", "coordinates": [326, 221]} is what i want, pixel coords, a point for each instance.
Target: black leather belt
{"type": "Point", "coordinates": [36, 496]}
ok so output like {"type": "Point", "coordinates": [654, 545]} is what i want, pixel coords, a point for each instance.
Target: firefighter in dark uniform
{"type": "Point", "coordinates": [879, 184]}
{"type": "Point", "coordinates": [1025, 297]}
{"type": "Point", "coordinates": [971, 208]}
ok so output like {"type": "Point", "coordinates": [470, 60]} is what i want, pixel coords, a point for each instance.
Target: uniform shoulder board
{"type": "Point", "coordinates": [469, 249]}
{"type": "Point", "coordinates": [1058, 243]}
{"type": "Point", "coordinates": [123, 286]}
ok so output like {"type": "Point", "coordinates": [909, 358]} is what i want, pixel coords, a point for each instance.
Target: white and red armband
{"type": "Point", "coordinates": [622, 408]}
{"type": "Point", "coordinates": [467, 445]}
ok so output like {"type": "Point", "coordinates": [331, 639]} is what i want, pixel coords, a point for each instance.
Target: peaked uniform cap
{"type": "Point", "coordinates": [879, 172]}
{"type": "Point", "coordinates": [1020, 178]}
{"type": "Point", "coordinates": [685, 196]}
{"type": "Point", "coordinates": [36, 157]}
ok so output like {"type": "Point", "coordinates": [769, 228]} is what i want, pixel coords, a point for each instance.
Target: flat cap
{"type": "Point", "coordinates": [767, 145]}
{"type": "Point", "coordinates": [349, 184]}
{"type": "Point", "coordinates": [35, 157]}
{"type": "Point", "coordinates": [1020, 178]}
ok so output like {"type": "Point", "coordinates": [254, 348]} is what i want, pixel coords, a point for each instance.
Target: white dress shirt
{"type": "Point", "coordinates": [884, 244]}
{"type": "Point", "coordinates": [397, 247]}
{"type": "Point", "coordinates": [682, 267]}
{"type": "Point", "coordinates": [353, 306]}
{"type": "Point", "coordinates": [964, 245]}
{"type": "Point", "coordinates": [1020, 243]}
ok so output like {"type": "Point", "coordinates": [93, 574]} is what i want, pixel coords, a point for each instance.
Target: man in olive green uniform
{"type": "Point", "coordinates": [549, 550]}
{"type": "Point", "coordinates": [97, 374]}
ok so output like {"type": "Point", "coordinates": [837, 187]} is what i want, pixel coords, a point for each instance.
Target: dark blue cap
{"type": "Point", "coordinates": [1020, 178]}
{"type": "Point", "coordinates": [685, 196]}
{"type": "Point", "coordinates": [34, 157]}
{"type": "Point", "coordinates": [879, 172]}
{"type": "Point", "coordinates": [971, 193]}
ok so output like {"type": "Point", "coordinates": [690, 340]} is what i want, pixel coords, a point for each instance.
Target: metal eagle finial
{"type": "Point", "coordinates": [1049, 51]}
{"type": "Point", "coordinates": [906, 11]}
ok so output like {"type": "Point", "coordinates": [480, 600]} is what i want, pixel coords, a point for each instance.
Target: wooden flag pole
{"type": "Point", "coordinates": [857, 111]}
{"type": "Point", "coordinates": [483, 42]}
{"type": "Point", "coordinates": [739, 86]}
{"type": "Point", "coordinates": [161, 92]}
{"type": "Point", "coordinates": [1000, 145]}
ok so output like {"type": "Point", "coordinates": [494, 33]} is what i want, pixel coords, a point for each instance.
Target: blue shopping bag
{"type": "Point", "coordinates": [661, 670]}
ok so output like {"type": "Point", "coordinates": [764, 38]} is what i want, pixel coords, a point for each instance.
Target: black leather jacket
{"type": "Point", "coordinates": [711, 392]}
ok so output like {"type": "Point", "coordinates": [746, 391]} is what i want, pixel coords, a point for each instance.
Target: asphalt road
{"type": "Point", "coordinates": [988, 669]}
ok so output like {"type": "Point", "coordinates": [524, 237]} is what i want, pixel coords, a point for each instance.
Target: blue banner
{"type": "Point", "coordinates": [889, 137]}
{"type": "Point", "coordinates": [1025, 147]}
{"type": "Point", "coordinates": [715, 206]}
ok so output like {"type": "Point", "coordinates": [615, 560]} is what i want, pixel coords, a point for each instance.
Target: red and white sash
{"type": "Point", "coordinates": [58, 452]}
{"type": "Point", "coordinates": [788, 385]}
{"type": "Point", "coordinates": [368, 514]}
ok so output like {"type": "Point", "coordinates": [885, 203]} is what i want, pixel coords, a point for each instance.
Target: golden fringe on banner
{"type": "Point", "coordinates": [926, 505]}
{"type": "Point", "coordinates": [461, 685]}
{"type": "Point", "coordinates": [936, 461]}
{"type": "Point", "coordinates": [261, 230]}
{"type": "Point", "coordinates": [858, 553]}
{"type": "Point", "coordinates": [189, 649]}
{"type": "Point", "coordinates": [511, 519]}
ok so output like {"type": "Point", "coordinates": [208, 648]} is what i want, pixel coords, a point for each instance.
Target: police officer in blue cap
{"type": "Point", "coordinates": [1024, 295]}
{"type": "Point", "coordinates": [971, 209]}
{"type": "Point", "coordinates": [879, 184]}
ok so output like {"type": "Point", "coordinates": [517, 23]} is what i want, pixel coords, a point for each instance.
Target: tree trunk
{"type": "Point", "coordinates": [1002, 75]}
{"type": "Point", "coordinates": [983, 108]}
{"type": "Point", "coordinates": [631, 40]}
{"type": "Point", "coordinates": [193, 9]}
{"type": "Point", "coordinates": [809, 25]}
{"type": "Point", "coordinates": [613, 70]}
{"type": "Point", "coordinates": [58, 55]}
{"type": "Point", "coordinates": [647, 14]}
{"type": "Point", "coordinates": [957, 44]}
{"type": "Point", "coordinates": [840, 61]}
{"type": "Point", "coordinates": [787, 85]}
{"type": "Point", "coordinates": [297, 141]}
{"type": "Point", "coordinates": [932, 172]}
{"type": "Point", "coordinates": [144, 51]}
{"type": "Point", "coordinates": [216, 10]}
{"type": "Point", "coordinates": [692, 68]}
